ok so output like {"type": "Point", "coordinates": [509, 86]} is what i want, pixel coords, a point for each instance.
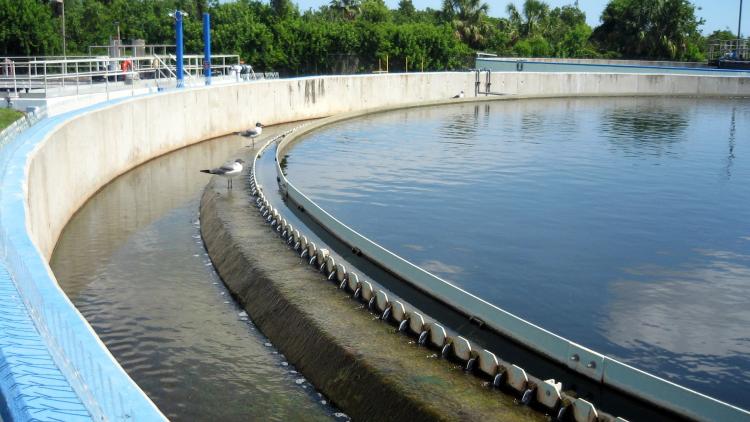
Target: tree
{"type": "Point", "coordinates": [720, 35]}
{"type": "Point", "coordinates": [468, 19]}
{"type": "Point", "coordinates": [527, 22]}
{"type": "Point", "coordinates": [283, 8]}
{"type": "Point", "coordinates": [650, 28]}
{"type": "Point", "coordinates": [567, 32]}
{"type": "Point", "coordinates": [406, 11]}
{"type": "Point", "coordinates": [375, 11]}
{"type": "Point", "coordinates": [348, 9]}
{"type": "Point", "coordinates": [28, 28]}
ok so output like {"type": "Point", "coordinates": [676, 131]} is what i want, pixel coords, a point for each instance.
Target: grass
{"type": "Point", "coordinates": [8, 116]}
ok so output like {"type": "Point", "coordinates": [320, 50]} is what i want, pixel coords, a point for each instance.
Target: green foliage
{"type": "Point", "coordinates": [347, 9]}
{"type": "Point", "coordinates": [358, 35]}
{"type": "Point", "coordinates": [283, 8]}
{"type": "Point", "coordinates": [538, 30]}
{"type": "Point", "coordinates": [721, 35]}
{"type": "Point", "coordinates": [375, 11]}
{"type": "Point", "coordinates": [406, 11]}
{"type": "Point", "coordinates": [469, 20]}
{"type": "Point", "coordinates": [28, 27]}
{"type": "Point", "coordinates": [664, 29]}
{"type": "Point", "coordinates": [535, 46]}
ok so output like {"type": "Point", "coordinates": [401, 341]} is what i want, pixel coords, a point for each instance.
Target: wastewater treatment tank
{"type": "Point", "coordinates": [622, 224]}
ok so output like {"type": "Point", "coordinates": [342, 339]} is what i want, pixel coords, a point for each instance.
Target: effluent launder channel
{"type": "Point", "coordinates": [620, 223]}
{"type": "Point", "coordinates": [133, 262]}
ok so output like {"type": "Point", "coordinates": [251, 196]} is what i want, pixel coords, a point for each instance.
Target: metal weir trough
{"type": "Point", "coordinates": [548, 394]}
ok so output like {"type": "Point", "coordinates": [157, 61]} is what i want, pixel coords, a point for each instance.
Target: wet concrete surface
{"type": "Point", "coordinates": [367, 367]}
{"type": "Point", "coordinates": [133, 262]}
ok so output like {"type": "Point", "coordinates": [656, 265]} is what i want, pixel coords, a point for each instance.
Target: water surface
{"type": "Point", "coordinates": [132, 261]}
{"type": "Point", "coordinates": [622, 224]}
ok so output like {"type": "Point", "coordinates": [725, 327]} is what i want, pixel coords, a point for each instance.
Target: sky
{"type": "Point", "coordinates": [718, 14]}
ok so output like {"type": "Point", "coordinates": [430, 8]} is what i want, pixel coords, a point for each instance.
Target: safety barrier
{"type": "Point", "coordinates": [64, 371]}
{"type": "Point", "coordinates": [593, 365]}
{"type": "Point", "coordinates": [24, 358]}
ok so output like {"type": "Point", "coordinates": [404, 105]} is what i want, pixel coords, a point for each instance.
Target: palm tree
{"type": "Point", "coordinates": [349, 9]}
{"type": "Point", "coordinates": [515, 23]}
{"type": "Point", "coordinates": [534, 13]}
{"type": "Point", "coordinates": [468, 19]}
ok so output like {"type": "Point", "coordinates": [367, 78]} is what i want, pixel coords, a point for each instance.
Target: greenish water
{"type": "Point", "coordinates": [620, 223]}
{"type": "Point", "coordinates": [133, 262]}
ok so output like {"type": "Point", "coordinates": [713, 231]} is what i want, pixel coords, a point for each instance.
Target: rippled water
{"type": "Point", "coordinates": [623, 224]}
{"type": "Point", "coordinates": [133, 263]}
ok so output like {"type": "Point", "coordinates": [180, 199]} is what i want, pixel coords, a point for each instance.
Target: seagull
{"type": "Point", "coordinates": [228, 170]}
{"type": "Point", "coordinates": [252, 133]}
{"type": "Point", "coordinates": [459, 95]}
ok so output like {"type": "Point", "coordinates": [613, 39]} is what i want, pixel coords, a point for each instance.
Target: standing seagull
{"type": "Point", "coordinates": [228, 170]}
{"type": "Point", "coordinates": [252, 133]}
{"type": "Point", "coordinates": [459, 95]}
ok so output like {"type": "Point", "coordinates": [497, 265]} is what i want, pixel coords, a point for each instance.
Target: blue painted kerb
{"type": "Point", "coordinates": [52, 364]}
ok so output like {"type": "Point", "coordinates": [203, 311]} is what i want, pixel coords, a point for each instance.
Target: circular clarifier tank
{"type": "Point", "coordinates": [620, 223]}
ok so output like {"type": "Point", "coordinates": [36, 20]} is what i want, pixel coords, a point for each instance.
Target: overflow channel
{"type": "Point", "coordinates": [132, 261]}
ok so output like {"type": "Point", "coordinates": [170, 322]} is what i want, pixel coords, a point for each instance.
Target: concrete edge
{"type": "Point", "coordinates": [79, 358]}
{"type": "Point", "coordinates": [303, 315]}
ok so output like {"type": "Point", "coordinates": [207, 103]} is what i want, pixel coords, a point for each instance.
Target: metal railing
{"type": "Point", "coordinates": [36, 77]}
{"type": "Point", "coordinates": [738, 49]}
{"type": "Point", "coordinates": [132, 50]}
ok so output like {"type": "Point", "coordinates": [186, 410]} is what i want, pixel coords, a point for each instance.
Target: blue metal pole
{"type": "Point", "coordinates": [207, 47]}
{"type": "Point", "coordinates": [178, 30]}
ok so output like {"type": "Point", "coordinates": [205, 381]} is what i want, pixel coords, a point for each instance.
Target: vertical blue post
{"type": "Point", "coordinates": [207, 47]}
{"type": "Point", "coordinates": [178, 30]}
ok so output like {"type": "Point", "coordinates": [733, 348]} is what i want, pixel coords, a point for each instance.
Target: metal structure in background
{"type": "Point", "coordinates": [739, 23]}
{"type": "Point", "coordinates": [730, 54]}
{"type": "Point", "coordinates": [135, 49]}
{"type": "Point", "coordinates": [207, 47]}
{"type": "Point", "coordinates": [178, 15]}
{"type": "Point", "coordinates": [49, 77]}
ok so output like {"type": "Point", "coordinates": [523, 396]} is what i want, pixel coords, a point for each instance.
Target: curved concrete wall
{"type": "Point", "coordinates": [87, 151]}
{"type": "Point", "coordinates": [53, 168]}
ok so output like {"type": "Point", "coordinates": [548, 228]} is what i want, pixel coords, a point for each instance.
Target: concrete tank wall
{"type": "Point", "coordinates": [67, 159]}
{"type": "Point", "coordinates": [88, 151]}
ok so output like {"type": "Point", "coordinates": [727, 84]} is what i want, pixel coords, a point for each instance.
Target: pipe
{"type": "Point", "coordinates": [207, 48]}
{"type": "Point", "coordinates": [180, 53]}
